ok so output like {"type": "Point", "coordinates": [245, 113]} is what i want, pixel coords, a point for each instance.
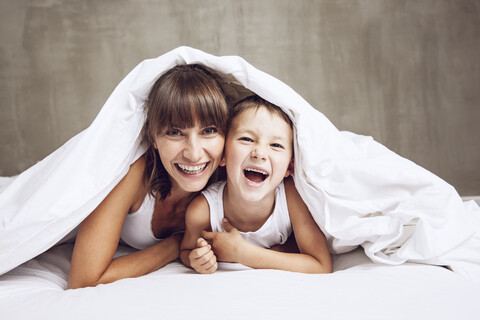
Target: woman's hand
{"type": "Point", "coordinates": [228, 246]}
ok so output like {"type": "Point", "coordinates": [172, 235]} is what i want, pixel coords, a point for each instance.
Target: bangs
{"type": "Point", "coordinates": [186, 98]}
{"type": "Point", "coordinates": [194, 104]}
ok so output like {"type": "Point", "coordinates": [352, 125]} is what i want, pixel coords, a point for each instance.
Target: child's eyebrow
{"type": "Point", "coordinates": [279, 138]}
{"type": "Point", "coordinates": [243, 130]}
{"type": "Point", "coordinates": [253, 133]}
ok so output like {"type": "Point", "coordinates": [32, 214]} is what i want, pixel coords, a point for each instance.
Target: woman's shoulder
{"type": "Point", "coordinates": [136, 172]}
{"type": "Point", "coordinates": [137, 181]}
{"type": "Point", "coordinates": [139, 165]}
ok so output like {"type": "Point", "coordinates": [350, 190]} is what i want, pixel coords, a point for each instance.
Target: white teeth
{"type": "Point", "coordinates": [191, 169]}
{"type": "Point", "coordinates": [257, 170]}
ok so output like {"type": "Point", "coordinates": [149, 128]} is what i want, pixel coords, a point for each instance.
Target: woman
{"type": "Point", "coordinates": [186, 124]}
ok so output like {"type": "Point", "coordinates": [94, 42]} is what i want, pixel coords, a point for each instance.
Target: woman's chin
{"type": "Point", "coordinates": [193, 183]}
{"type": "Point", "coordinates": [193, 186]}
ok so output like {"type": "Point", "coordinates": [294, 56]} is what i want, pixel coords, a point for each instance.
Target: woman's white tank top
{"type": "Point", "coordinates": [137, 229]}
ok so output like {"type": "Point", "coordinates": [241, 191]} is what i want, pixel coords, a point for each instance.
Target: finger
{"type": "Point", "coordinates": [199, 252]}
{"type": "Point", "coordinates": [212, 269]}
{"type": "Point", "coordinates": [204, 261]}
{"type": "Point", "coordinates": [209, 257]}
{"type": "Point", "coordinates": [211, 266]}
{"type": "Point", "coordinates": [209, 270]}
{"type": "Point", "coordinates": [208, 235]}
{"type": "Point", "coordinates": [201, 243]}
{"type": "Point", "coordinates": [226, 225]}
{"type": "Point", "coordinates": [206, 265]}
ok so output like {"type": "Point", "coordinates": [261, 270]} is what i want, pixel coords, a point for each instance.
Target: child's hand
{"type": "Point", "coordinates": [202, 258]}
{"type": "Point", "coordinates": [228, 246]}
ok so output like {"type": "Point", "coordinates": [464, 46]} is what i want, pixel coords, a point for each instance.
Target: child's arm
{"type": "Point", "coordinates": [310, 239]}
{"type": "Point", "coordinates": [314, 256]}
{"type": "Point", "coordinates": [195, 252]}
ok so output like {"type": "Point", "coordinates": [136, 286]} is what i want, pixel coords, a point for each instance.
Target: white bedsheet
{"type": "Point", "coordinates": [358, 191]}
{"type": "Point", "coordinates": [358, 289]}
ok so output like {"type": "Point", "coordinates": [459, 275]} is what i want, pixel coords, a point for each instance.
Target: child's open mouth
{"type": "Point", "coordinates": [255, 175]}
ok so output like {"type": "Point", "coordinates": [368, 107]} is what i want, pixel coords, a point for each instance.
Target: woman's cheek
{"type": "Point", "coordinates": [219, 146]}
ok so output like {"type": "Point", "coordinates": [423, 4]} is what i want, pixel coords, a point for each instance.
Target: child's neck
{"type": "Point", "coordinates": [247, 216]}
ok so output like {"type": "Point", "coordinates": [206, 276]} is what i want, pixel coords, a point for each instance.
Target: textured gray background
{"type": "Point", "coordinates": [405, 72]}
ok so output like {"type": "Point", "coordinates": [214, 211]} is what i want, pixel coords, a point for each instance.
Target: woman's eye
{"type": "Point", "coordinates": [210, 130]}
{"type": "Point", "coordinates": [173, 132]}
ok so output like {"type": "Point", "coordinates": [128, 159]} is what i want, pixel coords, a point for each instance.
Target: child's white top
{"type": "Point", "coordinates": [275, 230]}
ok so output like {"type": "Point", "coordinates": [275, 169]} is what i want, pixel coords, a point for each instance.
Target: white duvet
{"type": "Point", "coordinates": [358, 191]}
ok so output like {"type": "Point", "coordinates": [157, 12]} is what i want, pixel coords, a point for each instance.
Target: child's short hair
{"type": "Point", "coordinates": [254, 101]}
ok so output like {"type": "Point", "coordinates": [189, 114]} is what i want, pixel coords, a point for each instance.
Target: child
{"type": "Point", "coordinates": [255, 206]}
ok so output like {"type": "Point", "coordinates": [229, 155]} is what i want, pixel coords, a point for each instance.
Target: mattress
{"type": "Point", "coordinates": [358, 289]}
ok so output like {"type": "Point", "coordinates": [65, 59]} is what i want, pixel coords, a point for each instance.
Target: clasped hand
{"type": "Point", "coordinates": [217, 246]}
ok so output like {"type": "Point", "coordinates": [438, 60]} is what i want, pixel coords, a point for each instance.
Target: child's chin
{"type": "Point", "coordinates": [255, 196]}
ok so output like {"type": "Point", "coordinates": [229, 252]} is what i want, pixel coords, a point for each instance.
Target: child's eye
{"type": "Point", "coordinates": [210, 130]}
{"type": "Point", "coordinates": [276, 145]}
{"type": "Point", "coordinates": [247, 139]}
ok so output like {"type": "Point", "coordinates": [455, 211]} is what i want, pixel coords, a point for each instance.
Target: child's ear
{"type": "Point", "coordinates": [289, 169]}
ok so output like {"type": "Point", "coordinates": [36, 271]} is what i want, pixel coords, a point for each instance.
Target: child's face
{"type": "Point", "coordinates": [258, 153]}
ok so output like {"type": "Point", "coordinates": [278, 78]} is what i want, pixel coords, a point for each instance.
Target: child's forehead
{"type": "Point", "coordinates": [262, 118]}
{"type": "Point", "coordinates": [259, 112]}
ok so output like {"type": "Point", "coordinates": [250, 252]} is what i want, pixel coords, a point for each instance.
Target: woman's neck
{"type": "Point", "coordinates": [247, 216]}
{"type": "Point", "coordinates": [178, 195]}
{"type": "Point", "coordinates": [169, 214]}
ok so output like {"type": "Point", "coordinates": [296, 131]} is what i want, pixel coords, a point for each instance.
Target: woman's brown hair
{"type": "Point", "coordinates": [183, 97]}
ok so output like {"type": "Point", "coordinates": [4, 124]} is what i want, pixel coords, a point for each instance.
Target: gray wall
{"type": "Point", "coordinates": [405, 72]}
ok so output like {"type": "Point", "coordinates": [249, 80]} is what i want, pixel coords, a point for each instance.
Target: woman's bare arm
{"type": "Point", "coordinates": [99, 234]}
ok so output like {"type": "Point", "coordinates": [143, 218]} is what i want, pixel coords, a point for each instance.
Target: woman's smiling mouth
{"type": "Point", "coordinates": [188, 169]}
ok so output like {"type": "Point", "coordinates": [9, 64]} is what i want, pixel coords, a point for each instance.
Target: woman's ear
{"type": "Point", "coordinates": [289, 169]}
{"type": "Point", "coordinates": [222, 162]}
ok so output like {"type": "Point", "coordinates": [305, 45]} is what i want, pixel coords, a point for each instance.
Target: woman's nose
{"type": "Point", "coordinates": [193, 150]}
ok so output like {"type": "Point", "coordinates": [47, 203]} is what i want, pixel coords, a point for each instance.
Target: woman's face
{"type": "Point", "coordinates": [190, 155]}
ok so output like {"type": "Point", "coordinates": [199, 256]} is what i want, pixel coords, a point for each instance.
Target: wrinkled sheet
{"type": "Point", "coordinates": [359, 192]}
{"type": "Point", "coordinates": [358, 289]}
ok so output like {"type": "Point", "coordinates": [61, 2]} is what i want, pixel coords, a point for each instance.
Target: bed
{"type": "Point", "coordinates": [405, 245]}
{"type": "Point", "coordinates": [358, 289]}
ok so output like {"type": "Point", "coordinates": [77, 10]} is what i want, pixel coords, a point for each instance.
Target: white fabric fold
{"type": "Point", "coordinates": [358, 191]}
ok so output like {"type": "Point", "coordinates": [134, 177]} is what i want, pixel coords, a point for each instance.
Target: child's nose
{"type": "Point", "coordinates": [259, 153]}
